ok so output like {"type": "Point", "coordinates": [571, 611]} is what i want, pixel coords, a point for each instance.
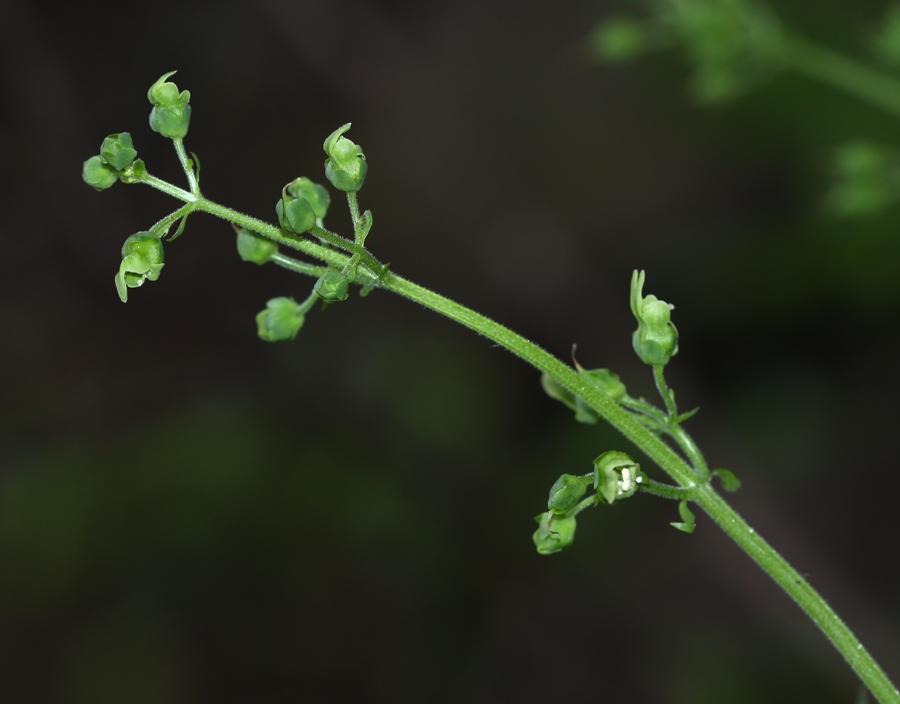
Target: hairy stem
{"type": "Point", "coordinates": [664, 456]}
{"type": "Point", "coordinates": [187, 166]}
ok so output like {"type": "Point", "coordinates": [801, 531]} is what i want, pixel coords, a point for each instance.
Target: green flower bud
{"type": "Point", "coordinates": [281, 320]}
{"type": "Point", "coordinates": [656, 339]}
{"type": "Point", "coordinates": [171, 113]}
{"type": "Point", "coordinates": [332, 286]}
{"type": "Point", "coordinates": [554, 533]}
{"type": "Point", "coordinates": [142, 260]}
{"type": "Point", "coordinates": [346, 165]}
{"type": "Point", "coordinates": [317, 196]}
{"type": "Point", "coordinates": [566, 492]}
{"type": "Point", "coordinates": [118, 151]}
{"type": "Point", "coordinates": [254, 248]}
{"type": "Point", "coordinates": [295, 214]}
{"type": "Point", "coordinates": [616, 476]}
{"type": "Point", "coordinates": [98, 174]}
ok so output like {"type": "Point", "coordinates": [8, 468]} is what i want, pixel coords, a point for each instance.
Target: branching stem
{"type": "Point", "coordinates": [685, 476]}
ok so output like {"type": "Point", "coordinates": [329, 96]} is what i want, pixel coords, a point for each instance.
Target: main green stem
{"type": "Point", "coordinates": [718, 509]}
{"type": "Point", "coordinates": [664, 456]}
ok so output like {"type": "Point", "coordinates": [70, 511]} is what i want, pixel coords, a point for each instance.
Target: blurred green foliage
{"type": "Point", "coordinates": [201, 540]}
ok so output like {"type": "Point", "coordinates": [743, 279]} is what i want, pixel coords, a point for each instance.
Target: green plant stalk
{"type": "Point", "coordinates": [833, 69]}
{"type": "Point", "coordinates": [186, 165]}
{"type": "Point", "coordinates": [664, 456]}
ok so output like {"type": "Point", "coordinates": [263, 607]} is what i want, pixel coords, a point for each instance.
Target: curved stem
{"type": "Point", "coordinates": [667, 491]}
{"type": "Point", "coordinates": [660, 453]}
{"type": "Point", "coordinates": [354, 213]}
{"type": "Point", "coordinates": [187, 166]}
{"type": "Point", "coordinates": [169, 189]}
{"type": "Point", "coordinates": [282, 237]}
{"type": "Point", "coordinates": [800, 591]}
{"type": "Point", "coordinates": [360, 252]}
{"type": "Point", "coordinates": [667, 396]}
{"type": "Point", "coordinates": [295, 265]}
{"type": "Point", "coordinates": [690, 448]}
{"type": "Point", "coordinates": [542, 360]}
{"type": "Point", "coordinates": [170, 219]}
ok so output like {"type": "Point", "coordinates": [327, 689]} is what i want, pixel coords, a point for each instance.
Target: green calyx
{"type": "Point", "coordinates": [346, 165]}
{"type": "Point", "coordinates": [254, 248]}
{"type": "Point", "coordinates": [97, 174]}
{"type": "Point", "coordinates": [281, 320]}
{"type": "Point", "coordinates": [118, 150]}
{"type": "Point", "coordinates": [316, 195]}
{"type": "Point", "coordinates": [616, 476]}
{"type": "Point", "coordinates": [142, 260]}
{"type": "Point", "coordinates": [567, 491]}
{"type": "Point", "coordinates": [656, 339]}
{"type": "Point", "coordinates": [554, 533]}
{"type": "Point", "coordinates": [115, 161]}
{"type": "Point", "coordinates": [332, 286]}
{"type": "Point", "coordinates": [295, 214]}
{"type": "Point", "coordinates": [171, 113]}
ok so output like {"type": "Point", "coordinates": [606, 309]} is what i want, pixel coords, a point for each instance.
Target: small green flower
{"type": "Point", "coordinates": [566, 492]}
{"type": "Point", "coordinates": [317, 196]}
{"type": "Point", "coordinates": [346, 165]}
{"type": "Point", "coordinates": [118, 150]}
{"type": "Point", "coordinates": [553, 533]}
{"type": "Point", "coordinates": [171, 113]}
{"type": "Point", "coordinates": [281, 320]}
{"type": "Point", "coordinates": [616, 476]}
{"type": "Point", "coordinates": [332, 286]}
{"type": "Point", "coordinates": [295, 214]}
{"type": "Point", "coordinates": [254, 248]}
{"type": "Point", "coordinates": [656, 339]}
{"type": "Point", "coordinates": [142, 260]}
{"type": "Point", "coordinates": [98, 174]}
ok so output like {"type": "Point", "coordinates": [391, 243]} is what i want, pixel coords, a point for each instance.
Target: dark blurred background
{"type": "Point", "coordinates": [188, 514]}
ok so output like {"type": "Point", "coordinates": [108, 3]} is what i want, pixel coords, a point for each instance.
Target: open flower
{"type": "Point", "coordinates": [142, 260]}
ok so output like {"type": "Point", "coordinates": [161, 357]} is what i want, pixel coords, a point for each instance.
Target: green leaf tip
{"type": "Point", "coordinates": [729, 480]}
{"type": "Point", "coordinates": [688, 522]}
